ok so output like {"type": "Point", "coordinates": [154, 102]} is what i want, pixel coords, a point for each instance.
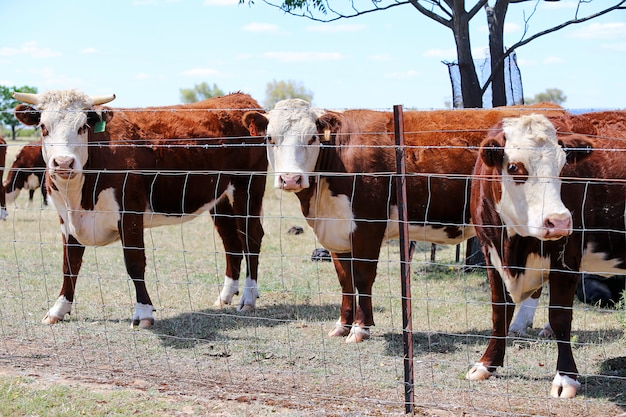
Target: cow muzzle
{"type": "Point", "coordinates": [557, 226]}
{"type": "Point", "coordinates": [292, 182]}
{"type": "Point", "coordinates": [63, 167]}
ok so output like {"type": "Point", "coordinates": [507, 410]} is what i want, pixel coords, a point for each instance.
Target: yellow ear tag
{"type": "Point", "coordinates": [99, 126]}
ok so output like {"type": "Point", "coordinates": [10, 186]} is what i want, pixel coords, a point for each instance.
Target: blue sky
{"type": "Point", "coordinates": [144, 51]}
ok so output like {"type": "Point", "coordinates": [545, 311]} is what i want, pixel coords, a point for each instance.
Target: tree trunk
{"type": "Point", "coordinates": [470, 86]}
{"type": "Point", "coordinates": [495, 22]}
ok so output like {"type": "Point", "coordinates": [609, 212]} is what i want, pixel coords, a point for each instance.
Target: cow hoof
{"type": "Point", "coordinates": [546, 332]}
{"type": "Point", "coordinates": [48, 319]}
{"type": "Point", "coordinates": [478, 372]}
{"type": "Point", "coordinates": [358, 334]}
{"type": "Point", "coordinates": [568, 391]}
{"type": "Point", "coordinates": [339, 331]}
{"type": "Point", "coordinates": [142, 324]}
{"type": "Point", "coordinates": [245, 308]}
{"type": "Point", "coordinates": [220, 303]}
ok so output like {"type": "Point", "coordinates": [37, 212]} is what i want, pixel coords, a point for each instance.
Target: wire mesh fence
{"type": "Point", "coordinates": [279, 358]}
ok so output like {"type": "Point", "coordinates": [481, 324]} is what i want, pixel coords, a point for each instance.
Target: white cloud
{"type": "Point", "coordinates": [143, 76]}
{"type": "Point", "coordinates": [406, 75]}
{"type": "Point", "coordinates": [261, 28]}
{"type": "Point", "coordinates": [88, 51]}
{"type": "Point", "coordinates": [303, 56]}
{"type": "Point", "coordinates": [200, 72]}
{"type": "Point", "coordinates": [29, 49]}
{"type": "Point", "coordinates": [612, 30]}
{"type": "Point", "coordinates": [327, 28]}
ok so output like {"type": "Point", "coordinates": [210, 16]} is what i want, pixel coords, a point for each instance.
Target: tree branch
{"type": "Point", "coordinates": [619, 6]}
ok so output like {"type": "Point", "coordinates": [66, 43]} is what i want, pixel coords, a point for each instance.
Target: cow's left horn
{"type": "Point", "coordinates": [28, 98]}
{"type": "Point", "coordinates": [102, 99]}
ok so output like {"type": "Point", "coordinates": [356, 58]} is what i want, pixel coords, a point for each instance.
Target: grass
{"type": "Point", "coordinates": [277, 360]}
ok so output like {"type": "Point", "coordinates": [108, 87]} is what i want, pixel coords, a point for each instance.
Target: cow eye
{"type": "Point", "coordinates": [44, 130]}
{"type": "Point", "coordinates": [83, 129]}
{"type": "Point", "coordinates": [313, 139]}
{"type": "Point", "coordinates": [269, 140]}
{"type": "Point", "coordinates": [518, 172]}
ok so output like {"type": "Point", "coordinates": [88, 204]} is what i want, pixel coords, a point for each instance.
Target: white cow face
{"type": "Point", "coordinates": [293, 143]}
{"type": "Point", "coordinates": [64, 120]}
{"type": "Point", "coordinates": [531, 160]}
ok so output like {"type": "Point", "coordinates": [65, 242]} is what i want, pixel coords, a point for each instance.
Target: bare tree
{"type": "Point", "coordinates": [454, 15]}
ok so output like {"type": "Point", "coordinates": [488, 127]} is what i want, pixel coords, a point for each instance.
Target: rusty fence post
{"type": "Point", "coordinates": [406, 249]}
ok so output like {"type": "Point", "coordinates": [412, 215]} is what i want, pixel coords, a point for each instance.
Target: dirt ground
{"type": "Point", "coordinates": [256, 395]}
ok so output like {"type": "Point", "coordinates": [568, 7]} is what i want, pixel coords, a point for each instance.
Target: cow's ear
{"type": "Point", "coordinates": [492, 151]}
{"type": "Point", "coordinates": [576, 147]}
{"type": "Point", "coordinates": [255, 122]}
{"type": "Point", "coordinates": [99, 115]}
{"type": "Point", "coordinates": [27, 115]}
{"type": "Point", "coordinates": [327, 125]}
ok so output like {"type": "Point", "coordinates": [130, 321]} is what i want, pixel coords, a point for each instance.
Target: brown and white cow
{"type": "Point", "coordinates": [3, 156]}
{"type": "Point", "coordinates": [537, 227]}
{"type": "Point", "coordinates": [340, 165]}
{"type": "Point", "coordinates": [609, 126]}
{"type": "Point", "coordinates": [26, 173]}
{"type": "Point", "coordinates": [113, 172]}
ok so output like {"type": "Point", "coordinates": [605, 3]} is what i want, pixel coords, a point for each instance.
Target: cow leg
{"type": "Point", "coordinates": [226, 226]}
{"type": "Point", "coordinates": [247, 207]}
{"type": "Point", "coordinates": [131, 234]}
{"type": "Point", "coordinates": [502, 309]}
{"type": "Point", "coordinates": [562, 292]}
{"type": "Point", "coordinates": [348, 296]}
{"type": "Point", "coordinates": [72, 261]}
{"type": "Point", "coordinates": [361, 271]}
{"type": "Point", "coordinates": [364, 274]}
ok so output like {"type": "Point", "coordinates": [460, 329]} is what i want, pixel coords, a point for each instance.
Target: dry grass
{"type": "Point", "coordinates": [278, 359]}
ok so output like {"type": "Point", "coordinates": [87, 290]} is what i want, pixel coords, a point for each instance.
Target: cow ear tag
{"type": "Point", "coordinates": [99, 126]}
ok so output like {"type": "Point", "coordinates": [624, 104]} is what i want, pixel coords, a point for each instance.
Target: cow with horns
{"type": "Point", "coordinates": [339, 163]}
{"type": "Point", "coordinates": [541, 219]}
{"type": "Point", "coordinates": [111, 173]}
{"type": "Point", "coordinates": [26, 173]}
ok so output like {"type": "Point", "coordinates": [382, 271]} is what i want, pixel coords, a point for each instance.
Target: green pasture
{"type": "Point", "coordinates": [278, 360]}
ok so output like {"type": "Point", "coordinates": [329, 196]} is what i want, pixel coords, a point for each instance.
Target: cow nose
{"type": "Point", "coordinates": [558, 226]}
{"type": "Point", "coordinates": [63, 165]}
{"type": "Point", "coordinates": [291, 182]}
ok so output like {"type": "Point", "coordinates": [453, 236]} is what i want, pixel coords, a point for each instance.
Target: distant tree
{"type": "Point", "coordinates": [199, 92]}
{"type": "Point", "coordinates": [8, 103]}
{"type": "Point", "coordinates": [282, 90]}
{"type": "Point", "coordinates": [552, 95]}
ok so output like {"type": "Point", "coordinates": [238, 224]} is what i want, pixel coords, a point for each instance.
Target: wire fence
{"type": "Point", "coordinates": [278, 358]}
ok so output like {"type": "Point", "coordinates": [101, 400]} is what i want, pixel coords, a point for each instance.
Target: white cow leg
{"type": "Point", "coordinates": [58, 311]}
{"type": "Point", "coordinates": [250, 294]}
{"type": "Point", "coordinates": [230, 288]}
{"type": "Point", "coordinates": [524, 317]}
{"type": "Point", "coordinates": [143, 317]}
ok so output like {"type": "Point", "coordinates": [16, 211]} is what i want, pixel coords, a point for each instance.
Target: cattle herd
{"type": "Point", "coordinates": [542, 189]}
